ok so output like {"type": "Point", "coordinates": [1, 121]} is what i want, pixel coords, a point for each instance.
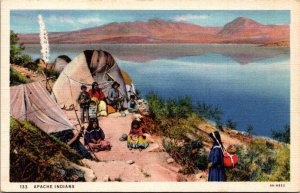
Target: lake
{"type": "Point", "coordinates": [251, 84]}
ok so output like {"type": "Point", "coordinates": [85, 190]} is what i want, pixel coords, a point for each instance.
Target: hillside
{"type": "Point", "coordinates": [158, 31]}
{"type": "Point", "coordinates": [37, 157]}
{"type": "Point", "coordinates": [171, 135]}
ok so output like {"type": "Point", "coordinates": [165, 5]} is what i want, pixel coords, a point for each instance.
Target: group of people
{"type": "Point", "coordinates": [94, 137]}
{"type": "Point", "coordinates": [93, 103]}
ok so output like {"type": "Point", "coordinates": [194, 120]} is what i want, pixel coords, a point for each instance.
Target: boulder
{"type": "Point", "coordinates": [106, 178]}
{"type": "Point", "coordinates": [154, 148]}
{"type": "Point", "coordinates": [170, 160]}
{"type": "Point", "coordinates": [149, 138]}
{"type": "Point", "coordinates": [130, 162]}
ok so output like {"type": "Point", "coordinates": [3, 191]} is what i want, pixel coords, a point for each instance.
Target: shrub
{"type": "Point", "coordinates": [16, 49]}
{"type": "Point", "coordinates": [209, 112]}
{"type": "Point", "coordinates": [231, 124]}
{"type": "Point", "coordinates": [182, 107]}
{"type": "Point", "coordinates": [37, 157]}
{"type": "Point", "coordinates": [52, 73]}
{"type": "Point", "coordinates": [48, 72]}
{"type": "Point", "coordinates": [283, 136]}
{"type": "Point", "coordinates": [150, 126]}
{"type": "Point", "coordinates": [250, 129]}
{"type": "Point", "coordinates": [261, 163]}
{"type": "Point", "coordinates": [191, 156]}
{"type": "Point", "coordinates": [17, 78]}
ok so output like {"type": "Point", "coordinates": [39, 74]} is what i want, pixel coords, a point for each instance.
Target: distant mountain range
{"type": "Point", "coordinates": [157, 31]}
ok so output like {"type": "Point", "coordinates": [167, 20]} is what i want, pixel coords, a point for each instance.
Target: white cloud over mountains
{"type": "Point", "coordinates": [190, 17]}
{"type": "Point", "coordinates": [72, 20]}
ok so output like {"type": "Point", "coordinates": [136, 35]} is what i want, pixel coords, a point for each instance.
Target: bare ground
{"type": "Point", "coordinates": [149, 164]}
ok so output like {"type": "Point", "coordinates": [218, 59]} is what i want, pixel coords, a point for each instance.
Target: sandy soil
{"type": "Point", "coordinates": [149, 164]}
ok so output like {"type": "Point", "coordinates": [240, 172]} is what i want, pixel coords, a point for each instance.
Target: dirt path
{"type": "Point", "coordinates": [114, 165]}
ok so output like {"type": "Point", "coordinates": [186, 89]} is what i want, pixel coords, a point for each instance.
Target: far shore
{"type": "Point", "coordinates": [267, 45]}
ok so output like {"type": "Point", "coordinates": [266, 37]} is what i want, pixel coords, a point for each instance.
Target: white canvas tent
{"type": "Point", "coordinates": [32, 102]}
{"type": "Point", "coordinates": [86, 68]}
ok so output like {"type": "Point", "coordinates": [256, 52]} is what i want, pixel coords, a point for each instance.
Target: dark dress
{"type": "Point", "coordinates": [95, 134]}
{"type": "Point", "coordinates": [217, 171]}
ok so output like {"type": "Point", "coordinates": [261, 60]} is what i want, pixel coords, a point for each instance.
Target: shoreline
{"type": "Point", "coordinates": [267, 45]}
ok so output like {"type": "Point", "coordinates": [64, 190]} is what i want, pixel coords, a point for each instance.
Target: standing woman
{"type": "Point", "coordinates": [216, 159]}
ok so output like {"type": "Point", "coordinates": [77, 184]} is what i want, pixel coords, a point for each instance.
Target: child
{"type": "Point", "coordinates": [135, 138]}
{"type": "Point", "coordinates": [132, 105]}
{"type": "Point", "coordinates": [83, 100]}
{"type": "Point", "coordinates": [95, 138]}
{"type": "Point", "coordinates": [93, 110]}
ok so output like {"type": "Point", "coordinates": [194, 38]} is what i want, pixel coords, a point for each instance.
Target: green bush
{"type": "Point", "coordinates": [17, 78]}
{"type": "Point", "coordinates": [52, 73]}
{"type": "Point", "coordinates": [16, 49]}
{"type": "Point", "coordinates": [230, 124]}
{"type": "Point", "coordinates": [48, 72]}
{"type": "Point", "coordinates": [261, 163]}
{"type": "Point", "coordinates": [250, 129]}
{"type": "Point", "coordinates": [283, 136]}
{"type": "Point", "coordinates": [209, 112]}
{"type": "Point", "coordinates": [182, 107]}
{"type": "Point", "coordinates": [191, 156]}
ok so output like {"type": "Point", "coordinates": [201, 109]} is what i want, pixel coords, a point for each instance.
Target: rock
{"type": "Point", "coordinates": [181, 178]}
{"type": "Point", "coordinates": [106, 178]}
{"type": "Point", "coordinates": [89, 174]}
{"type": "Point", "coordinates": [149, 138]}
{"type": "Point", "coordinates": [130, 162]}
{"type": "Point", "coordinates": [175, 169]}
{"type": "Point", "coordinates": [170, 160]}
{"type": "Point", "coordinates": [201, 176]}
{"type": "Point", "coordinates": [154, 148]}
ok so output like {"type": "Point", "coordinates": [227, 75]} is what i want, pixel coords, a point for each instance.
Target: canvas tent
{"type": "Point", "coordinates": [87, 67]}
{"type": "Point", "coordinates": [33, 103]}
{"type": "Point", "coordinates": [60, 63]}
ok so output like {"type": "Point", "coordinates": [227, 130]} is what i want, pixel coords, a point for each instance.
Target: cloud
{"type": "Point", "coordinates": [88, 20]}
{"type": "Point", "coordinates": [71, 20]}
{"type": "Point", "coordinates": [189, 17]}
{"type": "Point", "coordinates": [61, 19]}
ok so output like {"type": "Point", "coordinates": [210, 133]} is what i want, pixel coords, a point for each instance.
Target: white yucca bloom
{"type": "Point", "coordinates": [44, 40]}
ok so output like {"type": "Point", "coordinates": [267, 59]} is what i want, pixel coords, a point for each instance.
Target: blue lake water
{"type": "Point", "coordinates": [251, 84]}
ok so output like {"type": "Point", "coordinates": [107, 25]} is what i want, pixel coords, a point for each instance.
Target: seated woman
{"type": "Point", "coordinates": [135, 138]}
{"type": "Point", "coordinates": [132, 105]}
{"type": "Point", "coordinates": [97, 93]}
{"type": "Point", "coordinates": [94, 137]}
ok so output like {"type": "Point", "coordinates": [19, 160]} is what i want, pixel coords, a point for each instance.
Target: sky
{"type": "Point", "coordinates": [25, 21]}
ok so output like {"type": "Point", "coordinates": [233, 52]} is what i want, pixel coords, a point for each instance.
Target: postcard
{"type": "Point", "coordinates": [155, 96]}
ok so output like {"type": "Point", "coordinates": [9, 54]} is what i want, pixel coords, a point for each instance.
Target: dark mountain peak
{"type": "Point", "coordinates": [239, 24]}
{"type": "Point", "coordinates": [244, 21]}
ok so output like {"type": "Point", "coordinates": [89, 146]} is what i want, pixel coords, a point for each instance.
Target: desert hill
{"type": "Point", "coordinates": [159, 31]}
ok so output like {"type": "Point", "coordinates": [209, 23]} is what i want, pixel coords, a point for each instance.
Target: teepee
{"type": "Point", "coordinates": [88, 67]}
